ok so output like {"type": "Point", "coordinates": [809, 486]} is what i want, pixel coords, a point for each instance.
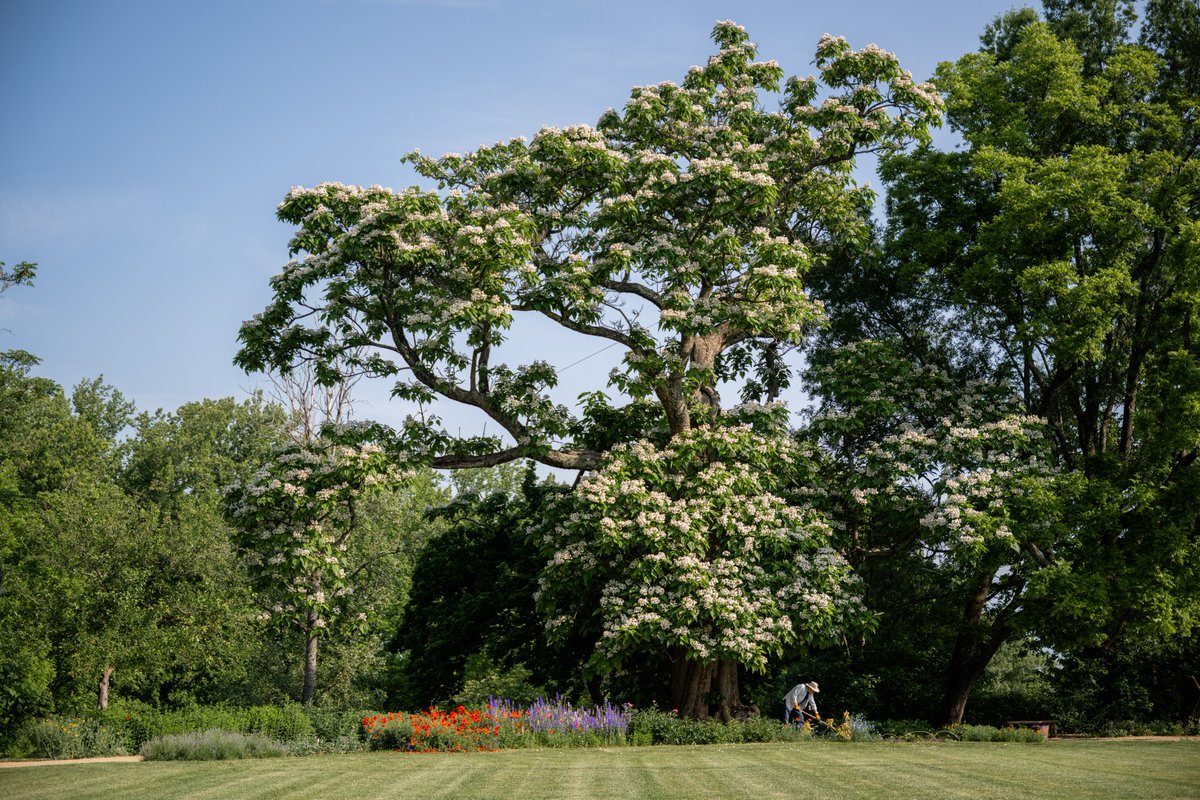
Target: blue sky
{"type": "Point", "coordinates": [146, 143]}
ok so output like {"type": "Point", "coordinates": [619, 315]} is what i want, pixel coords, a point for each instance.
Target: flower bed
{"type": "Point", "coordinates": [501, 724]}
{"type": "Point", "coordinates": [431, 731]}
{"type": "Point", "coordinates": [558, 724]}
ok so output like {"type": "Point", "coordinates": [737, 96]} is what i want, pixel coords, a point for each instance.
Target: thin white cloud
{"type": "Point", "coordinates": [13, 310]}
{"type": "Point", "coordinates": [28, 221]}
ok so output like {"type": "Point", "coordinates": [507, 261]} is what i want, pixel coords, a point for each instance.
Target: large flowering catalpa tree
{"type": "Point", "coordinates": [679, 228]}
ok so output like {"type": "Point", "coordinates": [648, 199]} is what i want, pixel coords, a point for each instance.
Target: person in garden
{"type": "Point", "coordinates": [801, 703]}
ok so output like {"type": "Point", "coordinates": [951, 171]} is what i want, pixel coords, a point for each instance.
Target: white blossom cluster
{"type": "Point", "coordinates": [691, 547]}
{"type": "Point", "coordinates": [951, 455]}
{"type": "Point", "coordinates": [679, 225]}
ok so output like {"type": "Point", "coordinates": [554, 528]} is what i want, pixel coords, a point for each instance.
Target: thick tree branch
{"type": "Point", "coordinates": [630, 287]}
{"type": "Point", "coordinates": [587, 330]}
{"type": "Point", "coordinates": [563, 459]}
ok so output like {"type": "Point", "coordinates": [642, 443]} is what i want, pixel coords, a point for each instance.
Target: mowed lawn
{"type": "Point", "coordinates": [1060, 769]}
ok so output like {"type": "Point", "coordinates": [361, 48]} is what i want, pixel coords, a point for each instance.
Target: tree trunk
{"type": "Point", "coordinates": [965, 670]}
{"type": "Point", "coordinates": [702, 352]}
{"type": "Point", "coordinates": [729, 698]}
{"type": "Point", "coordinates": [693, 683]}
{"type": "Point", "coordinates": [310, 670]}
{"type": "Point", "coordinates": [102, 699]}
{"type": "Point", "coordinates": [774, 370]}
{"type": "Point", "coordinates": [674, 406]}
{"type": "Point", "coordinates": [1130, 403]}
{"type": "Point", "coordinates": [974, 647]}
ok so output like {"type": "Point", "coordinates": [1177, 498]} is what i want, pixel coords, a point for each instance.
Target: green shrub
{"type": "Point", "coordinates": [651, 726]}
{"type": "Point", "coordinates": [138, 723]}
{"type": "Point", "coordinates": [72, 737]}
{"type": "Point", "coordinates": [392, 732]}
{"type": "Point", "coordinates": [1011, 734]}
{"type": "Point", "coordinates": [698, 731]}
{"type": "Point", "coordinates": [331, 722]}
{"type": "Point", "coordinates": [973, 733]}
{"type": "Point", "coordinates": [987, 733]}
{"type": "Point", "coordinates": [911, 730]}
{"type": "Point", "coordinates": [1129, 727]}
{"type": "Point", "coordinates": [25, 676]}
{"type": "Point", "coordinates": [899, 728]}
{"type": "Point", "coordinates": [211, 745]}
{"type": "Point", "coordinates": [286, 724]}
{"type": "Point", "coordinates": [483, 679]}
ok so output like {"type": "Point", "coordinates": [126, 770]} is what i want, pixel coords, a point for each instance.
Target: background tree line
{"type": "Point", "coordinates": [122, 577]}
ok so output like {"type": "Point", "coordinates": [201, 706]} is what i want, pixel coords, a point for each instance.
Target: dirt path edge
{"type": "Point", "coordinates": [45, 762]}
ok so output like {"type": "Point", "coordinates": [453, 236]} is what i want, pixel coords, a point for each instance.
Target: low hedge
{"type": "Point", "coordinates": [652, 726]}
{"type": "Point", "coordinates": [125, 728]}
{"type": "Point", "coordinates": [211, 745]}
{"type": "Point", "coordinates": [138, 724]}
{"type": "Point", "coordinates": [987, 733]}
{"type": "Point", "coordinates": [1129, 727]}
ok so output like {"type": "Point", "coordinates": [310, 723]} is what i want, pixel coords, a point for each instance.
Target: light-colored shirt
{"type": "Point", "coordinates": [800, 697]}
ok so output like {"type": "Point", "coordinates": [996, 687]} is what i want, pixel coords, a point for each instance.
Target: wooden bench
{"type": "Point", "coordinates": [1046, 727]}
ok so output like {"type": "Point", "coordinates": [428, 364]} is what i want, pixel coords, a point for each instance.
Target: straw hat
{"type": "Point", "coordinates": [812, 686]}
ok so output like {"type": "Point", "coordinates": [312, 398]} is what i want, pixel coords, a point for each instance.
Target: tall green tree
{"type": "Point", "coordinates": [1171, 29]}
{"type": "Point", "coordinates": [191, 455]}
{"type": "Point", "coordinates": [175, 466]}
{"type": "Point", "coordinates": [1097, 28]}
{"type": "Point", "coordinates": [94, 586]}
{"type": "Point", "coordinates": [52, 461]}
{"type": "Point", "coordinates": [1057, 255]}
{"type": "Point", "coordinates": [25, 664]}
{"type": "Point", "coordinates": [118, 573]}
{"type": "Point", "coordinates": [924, 468]}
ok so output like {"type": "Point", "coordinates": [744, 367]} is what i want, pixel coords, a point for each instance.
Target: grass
{"type": "Point", "coordinates": [1060, 769]}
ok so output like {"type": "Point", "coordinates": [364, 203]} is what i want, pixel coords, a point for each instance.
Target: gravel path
{"type": "Point", "coordinates": [44, 762]}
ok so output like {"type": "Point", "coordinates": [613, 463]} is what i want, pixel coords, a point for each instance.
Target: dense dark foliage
{"type": "Point", "coordinates": [473, 594]}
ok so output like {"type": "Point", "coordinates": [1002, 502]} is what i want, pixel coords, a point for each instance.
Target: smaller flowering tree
{"type": "Point", "coordinates": [692, 549]}
{"type": "Point", "coordinates": [295, 519]}
{"type": "Point", "coordinates": [910, 439]}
